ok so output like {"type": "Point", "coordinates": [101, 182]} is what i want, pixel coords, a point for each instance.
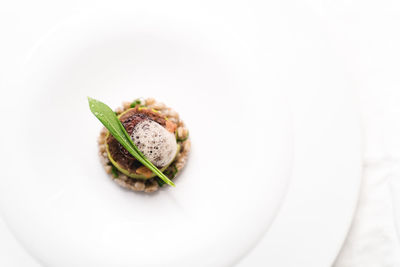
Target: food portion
{"type": "Point", "coordinates": [157, 143]}
{"type": "Point", "coordinates": [147, 128]}
{"type": "Point", "coordinates": [159, 134]}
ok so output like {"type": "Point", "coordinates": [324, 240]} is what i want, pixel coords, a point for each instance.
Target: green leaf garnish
{"type": "Point", "coordinates": [181, 140]}
{"type": "Point", "coordinates": [175, 171]}
{"type": "Point", "coordinates": [135, 103]}
{"type": "Point", "coordinates": [160, 182]}
{"type": "Point", "coordinates": [114, 171]}
{"type": "Point", "coordinates": [170, 173]}
{"type": "Point", "coordinates": [108, 118]}
{"type": "Point", "coordinates": [184, 139]}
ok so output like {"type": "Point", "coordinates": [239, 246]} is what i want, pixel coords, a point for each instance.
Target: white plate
{"type": "Point", "coordinates": [70, 214]}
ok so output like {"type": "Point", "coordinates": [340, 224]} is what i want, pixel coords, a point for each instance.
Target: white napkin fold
{"type": "Point", "coordinates": [372, 240]}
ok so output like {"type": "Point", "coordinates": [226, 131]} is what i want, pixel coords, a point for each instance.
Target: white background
{"type": "Point", "coordinates": [367, 32]}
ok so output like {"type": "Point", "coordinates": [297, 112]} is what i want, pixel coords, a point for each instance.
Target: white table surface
{"type": "Point", "coordinates": [368, 30]}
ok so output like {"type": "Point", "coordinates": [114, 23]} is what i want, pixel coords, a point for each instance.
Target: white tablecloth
{"type": "Point", "coordinates": [369, 32]}
{"type": "Point", "coordinates": [373, 240]}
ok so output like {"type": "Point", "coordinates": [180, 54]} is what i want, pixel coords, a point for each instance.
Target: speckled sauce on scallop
{"type": "Point", "coordinates": [160, 135]}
